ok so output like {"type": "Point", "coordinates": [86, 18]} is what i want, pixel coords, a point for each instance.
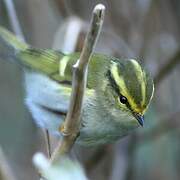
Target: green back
{"type": "Point", "coordinates": [52, 63]}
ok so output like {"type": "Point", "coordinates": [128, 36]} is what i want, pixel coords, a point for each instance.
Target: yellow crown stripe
{"type": "Point", "coordinates": [123, 89]}
{"type": "Point", "coordinates": [140, 76]}
{"type": "Point", "coordinates": [143, 88]}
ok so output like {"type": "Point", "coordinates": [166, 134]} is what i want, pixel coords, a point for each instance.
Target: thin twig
{"type": "Point", "coordinates": [167, 68]}
{"type": "Point", "coordinates": [5, 172]}
{"type": "Point", "coordinates": [48, 142]}
{"type": "Point", "coordinates": [72, 122]}
{"type": "Point", "coordinates": [14, 21]}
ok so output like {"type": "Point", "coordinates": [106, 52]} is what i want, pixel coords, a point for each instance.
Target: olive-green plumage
{"type": "Point", "coordinates": [118, 90]}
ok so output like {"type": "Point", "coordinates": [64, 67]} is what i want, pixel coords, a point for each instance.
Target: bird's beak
{"type": "Point", "coordinates": [140, 118]}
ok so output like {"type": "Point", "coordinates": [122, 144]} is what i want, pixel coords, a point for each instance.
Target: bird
{"type": "Point", "coordinates": [118, 92]}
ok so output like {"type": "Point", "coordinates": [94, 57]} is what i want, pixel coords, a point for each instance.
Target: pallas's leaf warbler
{"type": "Point", "coordinates": [117, 95]}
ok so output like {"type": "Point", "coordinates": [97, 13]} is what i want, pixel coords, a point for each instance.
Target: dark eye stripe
{"type": "Point", "coordinates": [116, 88]}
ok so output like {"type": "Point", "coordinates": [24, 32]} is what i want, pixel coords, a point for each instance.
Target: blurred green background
{"type": "Point", "coordinates": [144, 29]}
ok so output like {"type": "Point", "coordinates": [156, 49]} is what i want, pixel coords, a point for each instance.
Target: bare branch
{"type": "Point", "coordinates": [5, 172]}
{"type": "Point", "coordinates": [64, 169]}
{"type": "Point", "coordinates": [72, 122]}
{"type": "Point", "coordinates": [167, 68]}
{"type": "Point", "coordinates": [14, 19]}
{"type": "Point", "coordinates": [48, 142]}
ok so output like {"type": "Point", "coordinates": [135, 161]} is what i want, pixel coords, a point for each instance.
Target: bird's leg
{"type": "Point", "coordinates": [48, 142]}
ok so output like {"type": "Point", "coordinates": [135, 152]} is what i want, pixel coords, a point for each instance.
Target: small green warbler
{"type": "Point", "coordinates": [117, 95]}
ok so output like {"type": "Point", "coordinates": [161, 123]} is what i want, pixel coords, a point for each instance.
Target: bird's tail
{"type": "Point", "coordinates": [9, 44]}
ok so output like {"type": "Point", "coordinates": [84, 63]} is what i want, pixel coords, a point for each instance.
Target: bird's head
{"type": "Point", "coordinates": [129, 88]}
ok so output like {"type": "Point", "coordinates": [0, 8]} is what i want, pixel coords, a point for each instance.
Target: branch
{"type": "Point", "coordinates": [5, 172]}
{"type": "Point", "coordinates": [72, 122]}
{"type": "Point", "coordinates": [63, 170]}
{"type": "Point", "coordinates": [167, 68]}
{"type": "Point", "coordinates": [14, 21]}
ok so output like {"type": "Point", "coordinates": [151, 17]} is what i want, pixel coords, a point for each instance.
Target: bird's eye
{"type": "Point", "coordinates": [123, 99]}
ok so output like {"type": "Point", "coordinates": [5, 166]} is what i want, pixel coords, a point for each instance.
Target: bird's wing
{"type": "Point", "coordinates": [55, 66]}
{"type": "Point", "coordinates": [41, 60]}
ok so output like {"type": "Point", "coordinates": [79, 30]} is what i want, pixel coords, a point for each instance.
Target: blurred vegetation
{"type": "Point", "coordinates": [144, 29]}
